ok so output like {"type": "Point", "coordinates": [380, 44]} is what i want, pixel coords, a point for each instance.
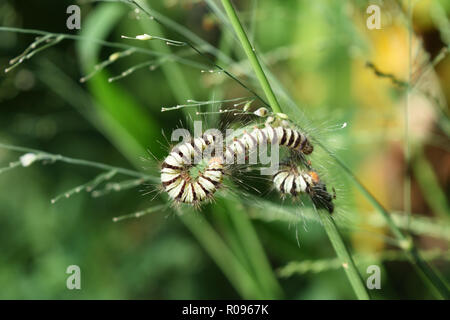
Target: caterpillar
{"type": "Point", "coordinates": [178, 180]}
{"type": "Point", "coordinates": [183, 186]}
{"type": "Point", "coordinates": [289, 180]}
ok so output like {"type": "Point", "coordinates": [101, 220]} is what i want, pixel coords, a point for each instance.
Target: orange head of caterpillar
{"type": "Point", "coordinates": [215, 163]}
{"type": "Point", "coordinates": [314, 177]}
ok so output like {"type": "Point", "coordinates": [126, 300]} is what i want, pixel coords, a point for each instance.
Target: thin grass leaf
{"type": "Point", "coordinates": [344, 255]}
{"type": "Point", "coordinates": [253, 248]}
{"type": "Point", "coordinates": [251, 54]}
{"type": "Point", "coordinates": [222, 256]}
{"type": "Point", "coordinates": [323, 265]}
{"type": "Point", "coordinates": [429, 184]}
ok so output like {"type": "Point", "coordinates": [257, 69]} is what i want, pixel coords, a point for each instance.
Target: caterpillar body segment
{"type": "Point", "coordinates": [292, 181]}
{"type": "Point", "coordinates": [291, 138]}
{"type": "Point", "coordinates": [287, 137]}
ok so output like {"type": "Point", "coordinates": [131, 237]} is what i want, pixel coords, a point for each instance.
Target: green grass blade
{"type": "Point", "coordinates": [222, 256]}
{"type": "Point", "coordinates": [251, 54]}
{"type": "Point", "coordinates": [322, 265]}
{"type": "Point", "coordinates": [253, 248]}
{"type": "Point", "coordinates": [344, 255]}
{"type": "Point", "coordinates": [428, 182]}
{"type": "Point", "coordinates": [116, 108]}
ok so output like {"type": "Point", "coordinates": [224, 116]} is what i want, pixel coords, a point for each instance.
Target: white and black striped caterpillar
{"type": "Point", "coordinates": [177, 179]}
{"type": "Point", "coordinates": [287, 137]}
{"type": "Point", "coordinates": [182, 186]}
{"type": "Point", "coordinates": [290, 180]}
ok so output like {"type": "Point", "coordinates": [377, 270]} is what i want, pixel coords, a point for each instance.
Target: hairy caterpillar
{"type": "Point", "coordinates": [180, 183]}
{"type": "Point", "coordinates": [293, 181]}
{"type": "Point", "coordinates": [184, 186]}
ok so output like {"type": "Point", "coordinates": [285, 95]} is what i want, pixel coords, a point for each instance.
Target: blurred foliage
{"type": "Point", "coordinates": [317, 50]}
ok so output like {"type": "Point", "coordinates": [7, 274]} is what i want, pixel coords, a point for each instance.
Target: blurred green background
{"type": "Point", "coordinates": [237, 247]}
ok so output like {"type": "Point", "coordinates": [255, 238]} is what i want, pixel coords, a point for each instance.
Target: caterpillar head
{"type": "Point", "coordinates": [319, 194]}
{"type": "Point", "coordinates": [308, 148]}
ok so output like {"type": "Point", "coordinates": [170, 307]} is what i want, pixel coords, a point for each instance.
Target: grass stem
{"type": "Point", "coordinates": [251, 54]}
{"type": "Point", "coordinates": [344, 255]}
